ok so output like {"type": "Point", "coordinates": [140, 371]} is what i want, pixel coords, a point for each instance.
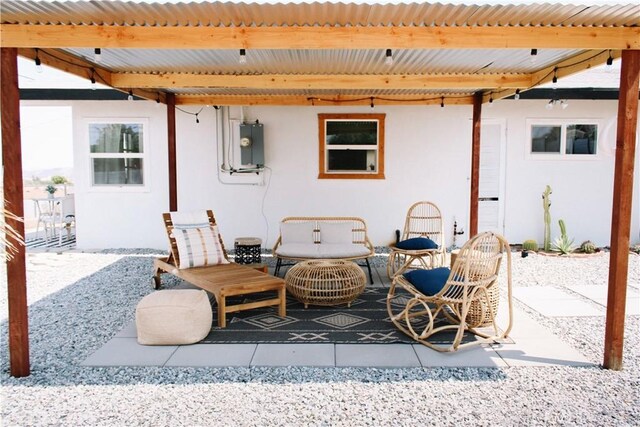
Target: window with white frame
{"type": "Point", "coordinates": [117, 153]}
{"type": "Point", "coordinates": [351, 146]}
{"type": "Point", "coordinates": [562, 138]}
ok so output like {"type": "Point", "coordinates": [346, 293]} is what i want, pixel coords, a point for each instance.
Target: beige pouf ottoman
{"type": "Point", "coordinates": [173, 317]}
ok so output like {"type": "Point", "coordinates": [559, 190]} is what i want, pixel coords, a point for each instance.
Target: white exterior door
{"type": "Point", "coordinates": [492, 177]}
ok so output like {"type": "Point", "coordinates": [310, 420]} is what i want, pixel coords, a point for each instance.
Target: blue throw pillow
{"type": "Point", "coordinates": [417, 243]}
{"type": "Point", "coordinates": [429, 282]}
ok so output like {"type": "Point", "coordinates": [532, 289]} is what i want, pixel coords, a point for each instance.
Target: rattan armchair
{"type": "Point", "coordinates": [467, 302]}
{"type": "Point", "coordinates": [423, 220]}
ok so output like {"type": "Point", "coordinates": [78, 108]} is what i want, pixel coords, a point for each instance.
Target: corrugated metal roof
{"type": "Point", "coordinates": [312, 14]}
{"type": "Point", "coordinates": [367, 61]}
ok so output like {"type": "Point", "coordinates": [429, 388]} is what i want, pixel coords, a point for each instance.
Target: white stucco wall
{"type": "Point", "coordinates": [427, 156]}
{"type": "Point", "coordinates": [582, 189]}
{"type": "Point", "coordinates": [120, 218]}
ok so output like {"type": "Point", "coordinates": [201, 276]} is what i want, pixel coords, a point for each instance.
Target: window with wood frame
{"type": "Point", "coordinates": [351, 146]}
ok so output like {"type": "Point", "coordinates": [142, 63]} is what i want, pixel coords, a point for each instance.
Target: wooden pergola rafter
{"type": "Point", "coordinates": [596, 44]}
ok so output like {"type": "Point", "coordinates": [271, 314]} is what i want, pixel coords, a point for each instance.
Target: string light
{"type": "Point", "coordinates": [372, 102]}
{"type": "Point", "coordinates": [609, 67]}
{"type": "Point", "coordinates": [517, 95]}
{"type": "Point", "coordinates": [549, 105]}
{"type": "Point", "coordinates": [158, 98]}
{"type": "Point", "coordinates": [534, 55]}
{"type": "Point", "coordinates": [38, 63]}
{"type": "Point", "coordinates": [93, 79]}
{"type": "Point", "coordinates": [554, 81]}
{"type": "Point", "coordinates": [197, 119]}
{"type": "Point", "coordinates": [491, 99]}
{"type": "Point", "coordinates": [243, 56]}
{"type": "Point", "coordinates": [97, 54]}
{"type": "Point", "coordinates": [130, 96]}
{"type": "Point", "coordinates": [388, 57]}
{"type": "Point", "coordinates": [442, 102]}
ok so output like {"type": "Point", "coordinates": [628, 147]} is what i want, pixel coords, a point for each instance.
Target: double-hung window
{"type": "Point", "coordinates": [351, 146]}
{"type": "Point", "coordinates": [562, 139]}
{"type": "Point", "coordinates": [117, 150]}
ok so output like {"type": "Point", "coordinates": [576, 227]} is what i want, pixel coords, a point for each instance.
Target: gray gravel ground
{"type": "Point", "coordinates": [78, 301]}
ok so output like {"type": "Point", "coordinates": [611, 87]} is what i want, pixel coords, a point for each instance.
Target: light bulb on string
{"type": "Point", "coordinates": [243, 56]}
{"type": "Point", "coordinates": [388, 60]}
{"type": "Point", "coordinates": [442, 102]}
{"type": "Point", "coordinates": [93, 79]}
{"type": "Point", "coordinates": [97, 54]}
{"type": "Point", "coordinates": [130, 96]}
{"type": "Point", "coordinates": [517, 95]}
{"type": "Point", "coordinates": [554, 81]}
{"type": "Point", "coordinates": [564, 104]}
{"type": "Point", "coordinates": [490, 100]}
{"type": "Point", "coordinates": [197, 119]}
{"type": "Point", "coordinates": [534, 55]}
{"type": "Point", "coordinates": [549, 105]}
{"type": "Point", "coordinates": [609, 66]}
{"type": "Point", "coordinates": [38, 63]}
{"type": "Point", "coordinates": [372, 105]}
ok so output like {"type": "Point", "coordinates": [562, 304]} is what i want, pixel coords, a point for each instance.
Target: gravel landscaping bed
{"type": "Point", "coordinates": [78, 301]}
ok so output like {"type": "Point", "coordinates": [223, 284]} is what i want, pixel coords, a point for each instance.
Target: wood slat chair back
{"type": "Point", "coordinates": [174, 255]}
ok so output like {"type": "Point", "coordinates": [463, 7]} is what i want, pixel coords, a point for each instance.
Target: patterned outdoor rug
{"type": "Point", "coordinates": [366, 321]}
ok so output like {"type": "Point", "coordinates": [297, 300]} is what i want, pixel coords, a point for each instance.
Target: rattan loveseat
{"type": "Point", "coordinates": [304, 238]}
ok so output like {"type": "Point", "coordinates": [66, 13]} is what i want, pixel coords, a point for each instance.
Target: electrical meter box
{"type": "Point", "coordinates": [252, 144]}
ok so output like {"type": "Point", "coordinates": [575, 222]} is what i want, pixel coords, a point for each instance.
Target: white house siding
{"type": "Point", "coordinates": [118, 218]}
{"type": "Point", "coordinates": [427, 157]}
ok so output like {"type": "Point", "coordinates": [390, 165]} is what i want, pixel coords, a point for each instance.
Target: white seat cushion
{"type": "Point", "coordinates": [297, 232]}
{"type": "Point", "coordinates": [299, 250]}
{"type": "Point", "coordinates": [329, 250]}
{"type": "Point", "coordinates": [341, 233]}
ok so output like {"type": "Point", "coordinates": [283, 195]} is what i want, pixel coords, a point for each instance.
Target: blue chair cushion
{"type": "Point", "coordinates": [429, 282]}
{"type": "Point", "coordinates": [417, 243]}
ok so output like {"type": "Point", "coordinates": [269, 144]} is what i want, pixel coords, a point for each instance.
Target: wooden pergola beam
{"type": "Point", "coordinates": [13, 195]}
{"type": "Point", "coordinates": [476, 125]}
{"type": "Point", "coordinates": [568, 67]}
{"type": "Point", "coordinates": [621, 209]}
{"type": "Point", "coordinates": [309, 100]}
{"type": "Point", "coordinates": [82, 68]}
{"type": "Point", "coordinates": [205, 37]}
{"type": "Point", "coordinates": [321, 81]}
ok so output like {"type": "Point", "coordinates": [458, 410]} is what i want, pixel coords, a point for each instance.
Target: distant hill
{"type": "Point", "coordinates": [46, 174]}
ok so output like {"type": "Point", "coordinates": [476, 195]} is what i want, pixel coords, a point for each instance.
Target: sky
{"type": "Point", "coordinates": [47, 140]}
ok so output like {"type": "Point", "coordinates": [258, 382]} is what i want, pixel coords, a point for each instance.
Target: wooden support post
{"type": "Point", "coordinates": [12, 165]}
{"type": "Point", "coordinates": [621, 216]}
{"type": "Point", "coordinates": [475, 164]}
{"type": "Point", "coordinates": [171, 137]}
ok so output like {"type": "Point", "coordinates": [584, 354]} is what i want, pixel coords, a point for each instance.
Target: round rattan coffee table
{"type": "Point", "coordinates": [325, 282]}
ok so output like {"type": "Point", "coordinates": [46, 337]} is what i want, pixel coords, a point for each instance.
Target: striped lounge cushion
{"type": "Point", "coordinates": [199, 246]}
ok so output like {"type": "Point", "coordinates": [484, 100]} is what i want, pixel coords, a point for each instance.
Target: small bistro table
{"type": "Point", "coordinates": [325, 282]}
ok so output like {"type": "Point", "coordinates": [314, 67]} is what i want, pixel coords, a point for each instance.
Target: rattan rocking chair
{"type": "Point", "coordinates": [424, 220]}
{"type": "Point", "coordinates": [466, 303]}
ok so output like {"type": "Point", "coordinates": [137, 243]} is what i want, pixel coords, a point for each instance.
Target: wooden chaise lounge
{"type": "Point", "coordinates": [222, 280]}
